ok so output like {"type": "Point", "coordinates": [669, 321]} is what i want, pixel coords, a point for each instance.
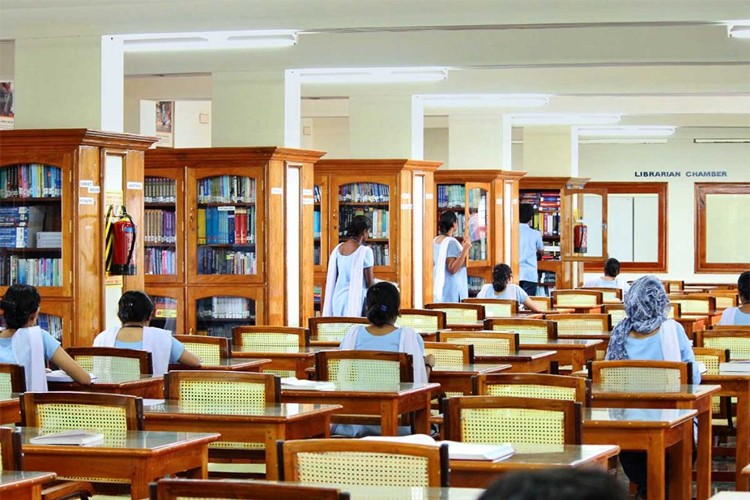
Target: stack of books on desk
{"type": "Point", "coordinates": [456, 450]}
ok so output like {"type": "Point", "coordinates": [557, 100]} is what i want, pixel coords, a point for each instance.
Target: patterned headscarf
{"type": "Point", "coordinates": [646, 306]}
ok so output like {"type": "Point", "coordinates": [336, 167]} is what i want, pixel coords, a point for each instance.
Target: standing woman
{"type": "Point", "coordinates": [350, 271]}
{"type": "Point", "coordinates": [450, 281]}
{"type": "Point", "coordinates": [739, 315]}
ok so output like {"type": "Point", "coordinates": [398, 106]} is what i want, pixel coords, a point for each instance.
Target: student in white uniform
{"type": "Point", "coordinates": [450, 281]}
{"type": "Point", "coordinates": [739, 315]}
{"type": "Point", "coordinates": [502, 288]}
{"type": "Point", "coordinates": [610, 279]}
{"type": "Point", "coordinates": [530, 249]}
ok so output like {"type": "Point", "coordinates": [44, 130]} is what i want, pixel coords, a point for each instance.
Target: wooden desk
{"type": "Point", "coordinates": [145, 386]}
{"type": "Point", "coordinates": [138, 456]}
{"type": "Point", "coordinates": [692, 324]}
{"type": "Point", "coordinates": [479, 325]}
{"type": "Point", "coordinates": [582, 309]}
{"type": "Point", "coordinates": [228, 364]}
{"type": "Point", "coordinates": [395, 492]}
{"type": "Point", "coordinates": [692, 397]}
{"type": "Point", "coordinates": [458, 379]}
{"type": "Point", "coordinates": [737, 385]}
{"type": "Point", "coordinates": [245, 424]}
{"type": "Point", "coordinates": [653, 431]}
{"type": "Point", "coordinates": [575, 352]}
{"type": "Point", "coordinates": [388, 402]}
{"type": "Point", "coordinates": [296, 359]}
{"type": "Point", "coordinates": [522, 361]}
{"type": "Point", "coordinates": [10, 410]}
{"type": "Point", "coordinates": [480, 474]}
{"type": "Point", "coordinates": [23, 485]}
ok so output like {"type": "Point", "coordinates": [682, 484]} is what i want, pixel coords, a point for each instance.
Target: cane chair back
{"type": "Point", "coordinates": [422, 320]}
{"type": "Point", "coordinates": [736, 340]}
{"type": "Point", "coordinates": [738, 328]}
{"type": "Point", "coordinates": [485, 343]}
{"type": "Point", "coordinates": [576, 298]}
{"type": "Point", "coordinates": [616, 313]}
{"type": "Point", "coordinates": [533, 385]}
{"type": "Point", "coordinates": [496, 308]}
{"type": "Point", "coordinates": [364, 368]}
{"type": "Point", "coordinates": [582, 325]}
{"type": "Point", "coordinates": [544, 302]}
{"type": "Point", "coordinates": [711, 359]}
{"type": "Point", "coordinates": [609, 295]}
{"type": "Point", "coordinates": [449, 354]}
{"type": "Point", "coordinates": [10, 449]}
{"type": "Point", "coordinates": [330, 331]}
{"type": "Point", "coordinates": [459, 314]}
{"type": "Point", "coordinates": [694, 303]}
{"type": "Point", "coordinates": [639, 375]}
{"type": "Point", "coordinates": [526, 423]}
{"type": "Point", "coordinates": [270, 339]}
{"type": "Point", "coordinates": [363, 462]}
{"type": "Point", "coordinates": [201, 489]}
{"type": "Point", "coordinates": [12, 380]}
{"type": "Point", "coordinates": [210, 349]}
{"type": "Point", "coordinates": [537, 330]}
{"type": "Point", "coordinates": [104, 360]}
{"type": "Point", "coordinates": [673, 286]}
{"type": "Point", "coordinates": [725, 298]}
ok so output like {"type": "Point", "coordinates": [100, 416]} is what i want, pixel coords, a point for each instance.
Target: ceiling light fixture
{"type": "Point", "coordinates": [644, 140]}
{"type": "Point", "coordinates": [523, 119]}
{"type": "Point", "coordinates": [626, 131]}
{"type": "Point", "coordinates": [372, 75]}
{"type": "Point", "coordinates": [442, 101]}
{"type": "Point", "coordinates": [738, 30]}
{"type": "Point", "coordinates": [212, 40]}
{"type": "Point", "coordinates": [732, 140]}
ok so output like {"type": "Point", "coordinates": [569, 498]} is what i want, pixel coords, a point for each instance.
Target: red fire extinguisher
{"type": "Point", "coordinates": [580, 237]}
{"type": "Point", "coordinates": [121, 238]}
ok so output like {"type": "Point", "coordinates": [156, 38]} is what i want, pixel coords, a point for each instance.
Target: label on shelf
{"type": "Point", "coordinates": [135, 185]}
{"type": "Point", "coordinates": [277, 190]}
{"type": "Point", "coordinates": [406, 206]}
{"type": "Point", "coordinates": [95, 189]}
{"type": "Point", "coordinates": [307, 192]}
{"type": "Point", "coordinates": [308, 201]}
{"type": "Point", "coordinates": [428, 196]}
{"type": "Point", "coordinates": [85, 183]}
{"type": "Point", "coordinates": [86, 201]}
{"type": "Point", "coordinates": [499, 200]}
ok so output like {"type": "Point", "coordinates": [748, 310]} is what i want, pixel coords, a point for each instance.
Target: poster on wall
{"type": "Point", "coordinates": [6, 106]}
{"type": "Point", "coordinates": [165, 124]}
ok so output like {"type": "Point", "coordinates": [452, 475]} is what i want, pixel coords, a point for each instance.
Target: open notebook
{"type": "Point", "coordinates": [70, 438]}
{"type": "Point", "coordinates": [456, 450]}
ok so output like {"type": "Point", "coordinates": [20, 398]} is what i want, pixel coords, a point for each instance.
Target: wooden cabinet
{"type": "Point", "coordinates": [484, 202]}
{"type": "Point", "coordinates": [398, 197]}
{"type": "Point", "coordinates": [169, 307]}
{"type": "Point", "coordinates": [55, 180]}
{"type": "Point", "coordinates": [558, 205]}
{"type": "Point", "coordinates": [242, 219]}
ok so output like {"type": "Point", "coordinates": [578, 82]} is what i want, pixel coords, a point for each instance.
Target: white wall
{"type": "Point", "coordinates": [331, 135]}
{"type": "Point", "coordinates": [189, 132]}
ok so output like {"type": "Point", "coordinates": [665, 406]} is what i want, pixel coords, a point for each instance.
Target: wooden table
{"type": "Point", "coordinates": [737, 385]}
{"type": "Point", "coordinates": [691, 397]}
{"type": "Point", "coordinates": [458, 379]}
{"type": "Point", "coordinates": [137, 456]}
{"type": "Point", "coordinates": [360, 491]}
{"type": "Point", "coordinates": [228, 364]}
{"type": "Point", "coordinates": [10, 409]}
{"type": "Point", "coordinates": [23, 485]}
{"type": "Point", "coordinates": [582, 309]}
{"type": "Point", "coordinates": [245, 424]}
{"type": "Point", "coordinates": [522, 361]}
{"type": "Point", "coordinates": [692, 324]}
{"type": "Point", "coordinates": [575, 352]}
{"type": "Point", "coordinates": [296, 359]}
{"type": "Point", "coordinates": [388, 402]}
{"type": "Point", "coordinates": [653, 431]}
{"type": "Point", "coordinates": [144, 386]}
{"type": "Point", "coordinates": [480, 474]}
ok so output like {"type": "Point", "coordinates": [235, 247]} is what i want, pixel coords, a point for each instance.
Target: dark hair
{"type": "Point", "coordinates": [358, 226]}
{"type": "Point", "coordinates": [501, 274]}
{"type": "Point", "coordinates": [525, 213]}
{"type": "Point", "coordinates": [135, 306]}
{"type": "Point", "coordinates": [19, 304]}
{"type": "Point", "coordinates": [382, 303]}
{"type": "Point", "coordinates": [447, 219]}
{"type": "Point", "coordinates": [743, 286]}
{"type": "Point", "coordinates": [555, 484]}
{"type": "Point", "coordinates": [612, 267]}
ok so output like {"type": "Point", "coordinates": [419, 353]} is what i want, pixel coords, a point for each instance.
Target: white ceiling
{"type": "Point", "coordinates": [663, 61]}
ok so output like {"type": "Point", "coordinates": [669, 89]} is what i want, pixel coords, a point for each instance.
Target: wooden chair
{"type": "Point", "coordinates": [97, 360]}
{"type": "Point", "coordinates": [496, 308]}
{"type": "Point", "coordinates": [673, 286]}
{"type": "Point", "coordinates": [270, 339]}
{"type": "Point", "coordinates": [459, 314]}
{"type": "Point", "coordinates": [609, 295]}
{"type": "Point", "coordinates": [544, 302]}
{"type": "Point", "coordinates": [364, 367]}
{"type": "Point", "coordinates": [486, 343]}
{"type": "Point", "coordinates": [210, 349]}
{"type": "Point", "coordinates": [576, 297]}
{"type": "Point", "coordinates": [526, 423]}
{"type": "Point", "coordinates": [422, 320]}
{"type": "Point", "coordinates": [738, 328]}
{"type": "Point", "coordinates": [450, 354]}
{"type": "Point", "coordinates": [538, 330]}
{"type": "Point", "coordinates": [12, 380]}
{"type": "Point", "coordinates": [329, 331]}
{"type": "Point", "coordinates": [533, 385]}
{"type": "Point", "coordinates": [736, 340]}
{"type": "Point", "coordinates": [725, 298]}
{"type": "Point", "coordinates": [694, 303]}
{"type": "Point", "coordinates": [354, 461]}
{"type": "Point", "coordinates": [10, 449]}
{"type": "Point", "coordinates": [720, 406]}
{"type": "Point", "coordinates": [616, 313]}
{"type": "Point", "coordinates": [639, 375]}
{"type": "Point", "coordinates": [175, 489]}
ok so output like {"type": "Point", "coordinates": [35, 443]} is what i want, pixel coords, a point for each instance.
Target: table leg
{"type": "Point", "coordinates": [743, 440]}
{"type": "Point", "coordinates": [272, 456]}
{"type": "Point", "coordinates": [389, 418]}
{"type": "Point", "coordinates": [139, 483]}
{"type": "Point", "coordinates": [681, 463]}
{"type": "Point", "coordinates": [703, 463]}
{"type": "Point", "coordinates": [656, 468]}
{"type": "Point", "coordinates": [422, 416]}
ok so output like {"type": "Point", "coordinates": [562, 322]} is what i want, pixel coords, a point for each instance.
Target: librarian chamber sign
{"type": "Point", "coordinates": [691, 174]}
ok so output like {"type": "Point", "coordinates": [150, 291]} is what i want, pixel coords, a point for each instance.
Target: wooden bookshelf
{"type": "Point", "coordinates": [66, 184]}
{"type": "Point", "coordinates": [383, 190]}
{"type": "Point", "coordinates": [233, 241]}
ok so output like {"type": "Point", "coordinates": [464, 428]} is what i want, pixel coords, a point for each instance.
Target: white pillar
{"type": "Point", "coordinates": [381, 126]}
{"type": "Point", "coordinates": [256, 108]}
{"type": "Point", "coordinates": [69, 83]}
{"type": "Point", "coordinates": [478, 141]}
{"type": "Point", "coordinates": [550, 151]}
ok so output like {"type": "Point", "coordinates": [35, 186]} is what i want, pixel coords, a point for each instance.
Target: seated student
{"type": "Point", "coordinates": [135, 310]}
{"type": "Point", "coordinates": [609, 280]}
{"type": "Point", "coordinates": [555, 484]}
{"type": "Point", "coordinates": [502, 288]}
{"type": "Point", "coordinates": [382, 302]}
{"type": "Point", "coordinates": [647, 333]}
{"type": "Point", "coordinates": [739, 315]}
{"type": "Point", "coordinates": [26, 344]}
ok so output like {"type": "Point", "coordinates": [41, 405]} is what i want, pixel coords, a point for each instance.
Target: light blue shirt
{"type": "Point", "coordinates": [741, 319]}
{"type": "Point", "coordinates": [344, 277]}
{"type": "Point", "coordinates": [6, 348]}
{"type": "Point", "coordinates": [388, 342]}
{"type": "Point", "coordinates": [529, 242]}
{"type": "Point", "coordinates": [456, 285]}
{"type": "Point", "coordinates": [175, 352]}
{"type": "Point", "coordinates": [649, 348]}
{"type": "Point", "coordinates": [511, 292]}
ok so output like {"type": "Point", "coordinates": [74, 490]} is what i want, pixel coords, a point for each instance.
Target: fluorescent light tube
{"type": "Point", "coordinates": [485, 100]}
{"type": "Point", "coordinates": [626, 131]}
{"type": "Point", "coordinates": [644, 140]}
{"type": "Point", "coordinates": [733, 140]}
{"type": "Point", "coordinates": [521, 119]}
{"type": "Point", "coordinates": [213, 40]}
{"type": "Point", "coordinates": [738, 31]}
{"type": "Point", "coordinates": [372, 75]}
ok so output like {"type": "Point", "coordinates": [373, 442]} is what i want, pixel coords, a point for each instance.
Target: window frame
{"type": "Point", "coordinates": [701, 190]}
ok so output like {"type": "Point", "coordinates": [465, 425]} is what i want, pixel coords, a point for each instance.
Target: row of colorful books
{"type": "Point", "coordinates": [451, 196]}
{"type": "Point", "coordinates": [160, 226]}
{"type": "Point", "coordinates": [381, 254]}
{"type": "Point", "coordinates": [159, 190]}
{"type": "Point", "coordinates": [225, 308]}
{"type": "Point", "coordinates": [160, 261]}
{"type": "Point", "coordinates": [364, 192]}
{"type": "Point", "coordinates": [226, 225]}
{"type": "Point", "coordinates": [547, 223]}
{"type": "Point", "coordinates": [37, 272]}
{"type": "Point", "coordinates": [379, 218]}
{"type": "Point", "coordinates": [165, 307]}
{"type": "Point", "coordinates": [30, 180]}
{"type": "Point", "coordinates": [53, 324]}
{"type": "Point", "coordinates": [225, 261]}
{"type": "Point", "coordinates": [226, 189]}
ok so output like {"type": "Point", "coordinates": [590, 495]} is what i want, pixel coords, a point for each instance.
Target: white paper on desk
{"type": "Point", "coordinates": [152, 402]}
{"type": "Point", "coordinates": [70, 438]}
{"type": "Point", "coordinates": [61, 376]}
{"type": "Point", "coordinates": [456, 450]}
{"type": "Point", "coordinates": [734, 367]}
{"type": "Point", "coordinates": [306, 385]}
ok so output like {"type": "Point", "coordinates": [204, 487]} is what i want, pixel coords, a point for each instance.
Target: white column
{"type": "Point", "coordinates": [381, 126]}
{"type": "Point", "coordinates": [69, 83]}
{"type": "Point", "coordinates": [550, 151]}
{"type": "Point", "coordinates": [256, 108]}
{"type": "Point", "coordinates": [478, 141]}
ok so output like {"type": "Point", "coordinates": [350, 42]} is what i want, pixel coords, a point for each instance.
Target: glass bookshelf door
{"type": "Point", "coordinates": [165, 313]}
{"type": "Point", "coordinates": [217, 315]}
{"type": "Point", "coordinates": [160, 226]}
{"type": "Point", "coordinates": [372, 200]}
{"type": "Point", "coordinates": [477, 224]}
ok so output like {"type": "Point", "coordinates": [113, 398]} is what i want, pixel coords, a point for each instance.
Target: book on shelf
{"type": "Point", "coordinates": [456, 450]}
{"type": "Point", "coordinates": [70, 438]}
{"type": "Point", "coordinates": [226, 189]}
{"type": "Point", "coordinates": [31, 180]}
{"type": "Point", "coordinates": [296, 384]}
